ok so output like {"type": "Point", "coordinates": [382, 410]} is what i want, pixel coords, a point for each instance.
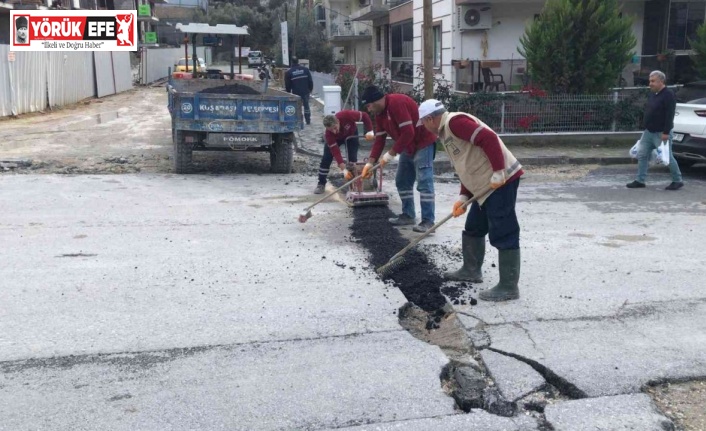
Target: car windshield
{"type": "Point", "coordinates": [255, 54]}
{"type": "Point", "coordinates": [181, 62]}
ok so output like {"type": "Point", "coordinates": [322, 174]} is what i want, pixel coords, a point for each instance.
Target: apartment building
{"type": "Point", "coordinates": [352, 39]}
{"type": "Point", "coordinates": [476, 41]}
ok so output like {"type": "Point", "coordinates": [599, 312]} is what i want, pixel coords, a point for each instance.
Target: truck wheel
{"type": "Point", "coordinates": [182, 153]}
{"type": "Point", "coordinates": [282, 154]}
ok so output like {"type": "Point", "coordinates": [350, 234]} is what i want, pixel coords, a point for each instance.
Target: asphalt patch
{"type": "Point", "coordinates": [418, 278]}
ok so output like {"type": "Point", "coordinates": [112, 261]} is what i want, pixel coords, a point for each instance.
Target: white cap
{"type": "Point", "coordinates": [428, 107]}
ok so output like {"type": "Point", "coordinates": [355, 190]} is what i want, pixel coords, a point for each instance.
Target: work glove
{"type": "Point", "coordinates": [370, 136]}
{"type": "Point", "coordinates": [368, 171]}
{"type": "Point", "coordinates": [498, 179]}
{"type": "Point", "coordinates": [348, 175]}
{"type": "Point", "coordinates": [387, 158]}
{"type": "Point", "coordinates": [459, 209]}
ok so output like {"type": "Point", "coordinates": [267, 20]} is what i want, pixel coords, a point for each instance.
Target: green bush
{"type": "Point", "coordinates": [698, 44]}
{"type": "Point", "coordinates": [578, 46]}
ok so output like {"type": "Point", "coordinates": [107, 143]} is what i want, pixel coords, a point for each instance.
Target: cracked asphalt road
{"type": "Point", "coordinates": [157, 301]}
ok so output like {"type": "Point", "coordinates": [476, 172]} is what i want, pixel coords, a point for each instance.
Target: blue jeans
{"type": "Point", "coordinates": [419, 168]}
{"type": "Point", "coordinates": [648, 142]}
{"type": "Point", "coordinates": [496, 218]}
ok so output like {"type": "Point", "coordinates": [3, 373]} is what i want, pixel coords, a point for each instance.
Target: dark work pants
{"type": "Point", "coordinates": [496, 218]}
{"type": "Point", "coordinates": [307, 111]}
{"type": "Point", "coordinates": [327, 158]}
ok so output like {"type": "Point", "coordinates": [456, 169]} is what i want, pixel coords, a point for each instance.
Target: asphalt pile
{"type": "Point", "coordinates": [230, 89]}
{"type": "Point", "coordinates": [417, 278]}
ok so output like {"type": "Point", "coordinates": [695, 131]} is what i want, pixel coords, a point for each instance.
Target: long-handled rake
{"type": "Point", "coordinates": [306, 213]}
{"type": "Point", "coordinates": [398, 260]}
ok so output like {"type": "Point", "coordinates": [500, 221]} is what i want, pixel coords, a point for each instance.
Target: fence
{"type": "Point", "coordinates": [513, 74]}
{"type": "Point", "coordinates": [33, 81]}
{"type": "Point", "coordinates": [155, 62]}
{"type": "Point", "coordinates": [537, 112]}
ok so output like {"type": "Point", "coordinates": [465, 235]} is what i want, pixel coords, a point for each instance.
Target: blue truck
{"type": "Point", "coordinates": [222, 115]}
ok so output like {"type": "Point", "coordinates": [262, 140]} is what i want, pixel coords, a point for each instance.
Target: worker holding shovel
{"type": "Point", "coordinates": [396, 117]}
{"type": "Point", "coordinates": [488, 170]}
{"type": "Point", "coordinates": [341, 129]}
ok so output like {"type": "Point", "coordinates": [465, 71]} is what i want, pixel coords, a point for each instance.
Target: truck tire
{"type": "Point", "coordinates": [182, 153]}
{"type": "Point", "coordinates": [282, 154]}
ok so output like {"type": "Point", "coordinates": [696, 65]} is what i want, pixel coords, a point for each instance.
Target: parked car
{"type": "Point", "coordinates": [255, 58]}
{"type": "Point", "coordinates": [689, 143]}
{"type": "Point", "coordinates": [180, 66]}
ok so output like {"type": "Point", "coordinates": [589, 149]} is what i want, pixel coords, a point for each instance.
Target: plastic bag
{"type": "Point", "coordinates": [653, 157]}
{"type": "Point", "coordinates": [663, 154]}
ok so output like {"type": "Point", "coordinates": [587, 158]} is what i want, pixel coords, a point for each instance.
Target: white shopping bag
{"type": "Point", "coordinates": [663, 154]}
{"type": "Point", "coordinates": [654, 158]}
{"type": "Point", "coordinates": [633, 150]}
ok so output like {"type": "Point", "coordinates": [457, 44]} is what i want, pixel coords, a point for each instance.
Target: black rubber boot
{"type": "Point", "coordinates": [473, 248]}
{"type": "Point", "coordinates": [506, 289]}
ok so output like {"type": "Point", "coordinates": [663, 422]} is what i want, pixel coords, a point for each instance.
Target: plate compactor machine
{"type": "Point", "coordinates": [362, 192]}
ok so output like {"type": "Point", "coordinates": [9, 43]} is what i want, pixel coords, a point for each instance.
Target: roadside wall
{"type": "Point", "coordinates": [35, 81]}
{"type": "Point", "coordinates": [157, 61]}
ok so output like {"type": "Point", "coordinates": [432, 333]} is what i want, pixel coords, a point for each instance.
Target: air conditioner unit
{"type": "Point", "coordinates": [474, 17]}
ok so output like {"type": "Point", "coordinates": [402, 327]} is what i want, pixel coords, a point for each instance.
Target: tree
{"type": "Point", "coordinates": [578, 46]}
{"type": "Point", "coordinates": [698, 44]}
{"type": "Point", "coordinates": [311, 43]}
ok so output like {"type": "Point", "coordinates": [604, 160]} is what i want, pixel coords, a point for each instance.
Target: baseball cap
{"type": "Point", "coordinates": [429, 107]}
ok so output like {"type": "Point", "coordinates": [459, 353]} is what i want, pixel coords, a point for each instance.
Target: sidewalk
{"type": "Point", "coordinates": [311, 142]}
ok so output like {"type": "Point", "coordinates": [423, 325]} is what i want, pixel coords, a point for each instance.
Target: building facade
{"type": "Point", "coordinates": [352, 40]}
{"type": "Point", "coordinates": [472, 39]}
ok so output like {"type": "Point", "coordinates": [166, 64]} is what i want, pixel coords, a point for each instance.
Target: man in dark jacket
{"type": "Point", "coordinates": [298, 81]}
{"type": "Point", "coordinates": [659, 122]}
{"type": "Point", "coordinates": [396, 116]}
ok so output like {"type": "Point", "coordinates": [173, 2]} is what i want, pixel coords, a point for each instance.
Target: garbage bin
{"type": "Point", "coordinates": [332, 99]}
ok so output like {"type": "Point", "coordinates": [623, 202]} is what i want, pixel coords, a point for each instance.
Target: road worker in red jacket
{"type": "Point", "coordinates": [488, 170]}
{"type": "Point", "coordinates": [396, 116]}
{"type": "Point", "coordinates": [341, 129]}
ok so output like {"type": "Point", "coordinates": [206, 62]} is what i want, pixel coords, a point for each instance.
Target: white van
{"type": "Point", "coordinates": [255, 58]}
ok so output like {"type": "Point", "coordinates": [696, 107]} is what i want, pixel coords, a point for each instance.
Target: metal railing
{"type": "Point", "coordinates": [350, 28]}
{"type": "Point", "coordinates": [513, 74]}
{"type": "Point", "coordinates": [537, 112]}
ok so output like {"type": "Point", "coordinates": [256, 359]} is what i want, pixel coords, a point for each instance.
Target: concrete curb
{"type": "Point", "coordinates": [442, 166]}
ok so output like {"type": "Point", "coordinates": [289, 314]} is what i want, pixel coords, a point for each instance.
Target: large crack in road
{"type": "Point", "coordinates": [429, 317]}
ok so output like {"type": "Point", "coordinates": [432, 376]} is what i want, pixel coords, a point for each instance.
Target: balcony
{"type": "Point", "coordinates": [371, 10]}
{"type": "Point", "coordinates": [347, 31]}
{"type": "Point", "coordinates": [395, 3]}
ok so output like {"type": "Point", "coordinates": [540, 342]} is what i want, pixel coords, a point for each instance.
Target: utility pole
{"type": "Point", "coordinates": [428, 51]}
{"type": "Point", "coordinates": [296, 28]}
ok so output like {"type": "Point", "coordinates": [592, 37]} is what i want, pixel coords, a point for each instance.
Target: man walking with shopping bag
{"type": "Point", "coordinates": [659, 122]}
